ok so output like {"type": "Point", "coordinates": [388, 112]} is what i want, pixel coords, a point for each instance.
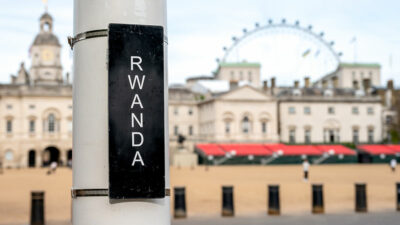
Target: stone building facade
{"type": "Point", "coordinates": [36, 107]}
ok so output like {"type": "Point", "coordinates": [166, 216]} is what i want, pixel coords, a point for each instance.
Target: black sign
{"type": "Point", "coordinates": [136, 111]}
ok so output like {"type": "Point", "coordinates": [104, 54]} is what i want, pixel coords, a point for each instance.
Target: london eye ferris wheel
{"type": "Point", "coordinates": [286, 51]}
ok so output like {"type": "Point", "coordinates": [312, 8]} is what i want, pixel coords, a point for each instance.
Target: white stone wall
{"type": "Point", "coordinates": [342, 120]}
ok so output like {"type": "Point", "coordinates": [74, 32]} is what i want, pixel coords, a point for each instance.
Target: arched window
{"type": "Point", "coordinates": [246, 125]}
{"type": "Point", "coordinates": [51, 123]}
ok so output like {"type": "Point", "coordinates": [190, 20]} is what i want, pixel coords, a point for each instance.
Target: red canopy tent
{"type": "Point", "coordinates": [293, 150]}
{"type": "Point", "coordinates": [377, 149]}
{"type": "Point", "coordinates": [246, 149]}
{"type": "Point", "coordinates": [395, 148]}
{"type": "Point", "coordinates": [210, 149]}
{"type": "Point", "coordinates": [336, 149]}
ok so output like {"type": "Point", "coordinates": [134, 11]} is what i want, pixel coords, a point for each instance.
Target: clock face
{"type": "Point", "coordinates": [47, 55]}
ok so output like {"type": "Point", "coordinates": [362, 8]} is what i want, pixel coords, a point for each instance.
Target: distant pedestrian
{"type": "Point", "coordinates": [393, 164]}
{"type": "Point", "coordinates": [306, 167]}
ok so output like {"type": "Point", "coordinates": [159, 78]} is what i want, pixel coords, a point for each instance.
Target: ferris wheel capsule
{"type": "Point", "coordinates": [270, 21]}
{"type": "Point", "coordinates": [283, 21]}
{"type": "Point", "coordinates": [244, 30]}
{"type": "Point", "coordinates": [257, 25]}
{"type": "Point", "coordinates": [321, 34]}
{"type": "Point", "coordinates": [297, 23]}
{"type": "Point", "coordinates": [310, 27]}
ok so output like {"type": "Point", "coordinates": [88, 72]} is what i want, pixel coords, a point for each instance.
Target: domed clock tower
{"type": "Point", "coordinates": [45, 52]}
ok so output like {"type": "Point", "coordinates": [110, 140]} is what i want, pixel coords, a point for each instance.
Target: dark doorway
{"type": "Point", "coordinates": [331, 136]}
{"type": "Point", "coordinates": [51, 154]}
{"type": "Point", "coordinates": [364, 157]}
{"type": "Point", "coordinates": [31, 158]}
{"type": "Point", "coordinates": [69, 158]}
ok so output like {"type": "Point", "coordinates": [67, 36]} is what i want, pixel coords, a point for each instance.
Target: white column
{"type": "Point", "coordinates": [90, 121]}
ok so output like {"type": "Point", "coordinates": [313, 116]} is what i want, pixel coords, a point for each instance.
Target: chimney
{"type": "Point", "coordinates": [296, 84]}
{"type": "Point", "coordinates": [233, 85]}
{"type": "Point", "coordinates": [273, 79]}
{"type": "Point", "coordinates": [390, 84]}
{"type": "Point", "coordinates": [265, 85]}
{"type": "Point", "coordinates": [307, 82]}
{"type": "Point", "coordinates": [366, 85]}
{"type": "Point", "coordinates": [324, 84]}
{"type": "Point", "coordinates": [67, 78]}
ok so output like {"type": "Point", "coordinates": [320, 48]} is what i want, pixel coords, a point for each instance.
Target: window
{"type": "Point", "coordinates": [176, 111]}
{"type": "Point", "coordinates": [292, 110]}
{"type": "Point", "coordinates": [70, 107]}
{"type": "Point", "coordinates": [190, 130]}
{"type": "Point", "coordinates": [354, 110]}
{"type": "Point", "coordinates": [227, 127]}
{"type": "Point", "coordinates": [190, 112]}
{"type": "Point", "coordinates": [241, 75]}
{"type": "Point", "coordinates": [9, 126]}
{"type": "Point", "coordinates": [389, 120]}
{"type": "Point", "coordinates": [331, 110]}
{"type": "Point", "coordinates": [32, 106]}
{"type": "Point", "coordinates": [246, 125]}
{"type": "Point", "coordinates": [31, 126]}
{"type": "Point", "coordinates": [370, 111]}
{"type": "Point", "coordinates": [307, 110]}
{"type": "Point", "coordinates": [264, 127]}
{"type": "Point", "coordinates": [307, 136]}
{"type": "Point", "coordinates": [355, 136]}
{"type": "Point", "coordinates": [9, 106]}
{"type": "Point", "coordinates": [250, 76]}
{"type": "Point", "coordinates": [292, 136]}
{"type": "Point", "coordinates": [176, 131]}
{"type": "Point", "coordinates": [51, 123]}
{"type": "Point", "coordinates": [371, 135]}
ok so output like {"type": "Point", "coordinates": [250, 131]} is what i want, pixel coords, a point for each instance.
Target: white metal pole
{"type": "Point", "coordinates": [90, 121]}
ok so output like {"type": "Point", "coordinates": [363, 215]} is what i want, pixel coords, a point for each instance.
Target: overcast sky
{"type": "Point", "coordinates": [198, 29]}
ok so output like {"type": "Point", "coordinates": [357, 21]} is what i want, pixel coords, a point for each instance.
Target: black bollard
{"type": "Point", "coordinates": [361, 198]}
{"type": "Point", "coordinates": [398, 196]}
{"type": "Point", "coordinates": [227, 201]}
{"type": "Point", "coordinates": [179, 202]}
{"type": "Point", "coordinates": [274, 207]}
{"type": "Point", "coordinates": [317, 198]}
{"type": "Point", "coordinates": [37, 208]}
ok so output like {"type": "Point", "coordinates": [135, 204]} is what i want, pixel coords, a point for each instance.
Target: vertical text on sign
{"type": "Point", "coordinates": [137, 137]}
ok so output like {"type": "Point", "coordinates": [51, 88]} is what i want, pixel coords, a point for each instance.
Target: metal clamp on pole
{"type": "Point", "coordinates": [87, 35]}
{"type": "Point", "coordinates": [99, 192]}
{"type": "Point", "coordinates": [93, 34]}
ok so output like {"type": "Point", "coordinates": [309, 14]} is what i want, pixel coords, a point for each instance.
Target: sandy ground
{"type": "Point", "coordinates": [203, 189]}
